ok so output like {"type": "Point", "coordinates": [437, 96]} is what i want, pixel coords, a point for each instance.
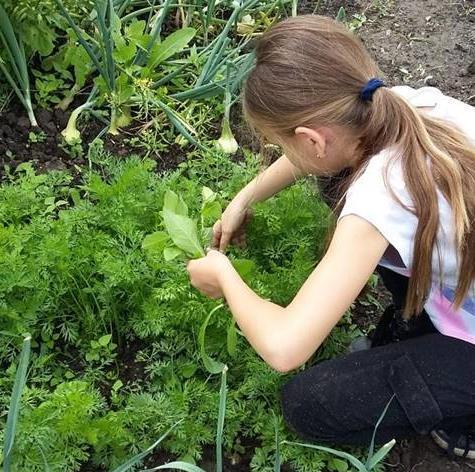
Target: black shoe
{"type": "Point", "coordinates": [361, 343]}
{"type": "Point", "coordinates": [459, 442]}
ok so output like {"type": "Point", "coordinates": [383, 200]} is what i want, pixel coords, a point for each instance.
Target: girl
{"type": "Point", "coordinates": [409, 207]}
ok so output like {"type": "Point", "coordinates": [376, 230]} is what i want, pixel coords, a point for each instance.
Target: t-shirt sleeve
{"type": "Point", "coordinates": [379, 196]}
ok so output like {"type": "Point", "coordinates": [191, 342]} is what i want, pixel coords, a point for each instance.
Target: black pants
{"type": "Point", "coordinates": [432, 377]}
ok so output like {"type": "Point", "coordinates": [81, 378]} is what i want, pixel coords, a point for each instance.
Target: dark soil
{"type": "Point", "coordinates": [46, 150]}
{"type": "Point", "coordinates": [417, 42]}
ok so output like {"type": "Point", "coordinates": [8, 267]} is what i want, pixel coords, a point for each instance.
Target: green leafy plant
{"type": "Point", "coordinates": [102, 350]}
{"type": "Point", "coordinates": [49, 88]}
{"type": "Point", "coordinates": [120, 55]}
{"type": "Point", "coordinates": [74, 263]}
{"type": "Point", "coordinates": [39, 24]}
{"type": "Point", "coordinates": [17, 73]}
{"type": "Point", "coordinates": [37, 136]}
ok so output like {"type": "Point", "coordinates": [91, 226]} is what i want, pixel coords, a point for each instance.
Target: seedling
{"type": "Point", "coordinates": [37, 137]}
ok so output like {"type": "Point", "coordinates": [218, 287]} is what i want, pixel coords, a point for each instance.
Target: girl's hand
{"type": "Point", "coordinates": [204, 273]}
{"type": "Point", "coordinates": [231, 227]}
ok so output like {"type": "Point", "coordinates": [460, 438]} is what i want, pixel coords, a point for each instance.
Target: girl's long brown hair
{"type": "Point", "coordinates": [309, 71]}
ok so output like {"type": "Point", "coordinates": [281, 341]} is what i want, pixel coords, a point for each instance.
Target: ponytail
{"type": "Point", "coordinates": [311, 70]}
{"type": "Point", "coordinates": [434, 156]}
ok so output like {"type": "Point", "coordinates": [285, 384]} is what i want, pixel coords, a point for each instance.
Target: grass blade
{"type": "Point", "coordinates": [344, 455]}
{"type": "Point", "coordinates": [212, 366]}
{"type": "Point", "coordinates": [14, 410]}
{"type": "Point", "coordinates": [221, 414]}
{"type": "Point", "coordinates": [278, 460]}
{"type": "Point", "coordinates": [209, 13]}
{"type": "Point", "coordinates": [178, 466]}
{"type": "Point", "coordinates": [104, 14]}
{"type": "Point", "coordinates": [13, 84]}
{"type": "Point", "coordinates": [13, 48]}
{"type": "Point", "coordinates": [217, 48]}
{"type": "Point", "coordinates": [201, 92]}
{"type": "Point", "coordinates": [373, 439]}
{"type": "Point", "coordinates": [341, 15]}
{"type": "Point", "coordinates": [169, 76]}
{"type": "Point", "coordinates": [137, 458]}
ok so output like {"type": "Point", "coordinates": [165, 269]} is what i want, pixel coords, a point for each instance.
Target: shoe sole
{"type": "Point", "coordinates": [444, 445]}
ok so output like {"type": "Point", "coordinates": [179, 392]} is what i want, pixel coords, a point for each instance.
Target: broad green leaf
{"type": "Point", "coordinates": [174, 203]}
{"type": "Point", "coordinates": [170, 253]}
{"type": "Point", "coordinates": [381, 454]}
{"type": "Point", "coordinates": [173, 44]}
{"type": "Point", "coordinates": [188, 369]}
{"type": "Point", "coordinates": [135, 32]}
{"type": "Point", "coordinates": [124, 52]}
{"type": "Point", "coordinates": [338, 465]}
{"type": "Point", "coordinates": [155, 242]}
{"type": "Point", "coordinates": [183, 232]}
{"type": "Point", "coordinates": [207, 235]}
{"type": "Point", "coordinates": [104, 340]}
{"type": "Point", "coordinates": [212, 366]}
{"type": "Point", "coordinates": [211, 211]}
{"type": "Point", "coordinates": [232, 339]}
{"type": "Point", "coordinates": [208, 195]}
{"type": "Point", "coordinates": [244, 267]}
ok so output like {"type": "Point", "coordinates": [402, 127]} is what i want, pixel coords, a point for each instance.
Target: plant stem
{"type": "Point", "coordinates": [113, 124]}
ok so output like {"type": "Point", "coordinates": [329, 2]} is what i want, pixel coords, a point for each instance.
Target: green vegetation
{"type": "Point", "coordinates": [125, 354]}
{"type": "Point", "coordinates": [116, 326]}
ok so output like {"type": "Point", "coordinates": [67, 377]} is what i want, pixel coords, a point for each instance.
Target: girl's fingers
{"type": "Point", "coordinates": [225, 239]}
{"type": "Point", "coordinates": [217, 232]}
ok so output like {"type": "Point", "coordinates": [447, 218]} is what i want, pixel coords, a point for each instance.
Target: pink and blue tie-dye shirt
{"type": "Point", "coordinates": [369, 197]}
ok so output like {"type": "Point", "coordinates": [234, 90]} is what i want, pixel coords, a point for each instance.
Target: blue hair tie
{"type": "Point", "coordinates": [371, 86]}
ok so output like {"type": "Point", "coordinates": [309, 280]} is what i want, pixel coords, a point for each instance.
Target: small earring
{"type": "Point", "coordinates": [318, 156]}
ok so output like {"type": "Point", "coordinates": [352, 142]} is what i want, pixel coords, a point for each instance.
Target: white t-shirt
{"type": "Point", "coordinates": [370, 198]}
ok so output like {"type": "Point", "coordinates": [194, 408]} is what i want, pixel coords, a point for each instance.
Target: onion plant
{"type": "Point", "coordinates": [14, 410]}
{"type": "Point", "coordinates": [17, 73]}
{"type": "Point", "coordinates": [372, 459]}
{"type": "Point", "coordinates": [116, 77]}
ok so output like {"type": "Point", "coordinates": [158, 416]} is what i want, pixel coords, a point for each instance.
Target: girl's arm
{"type": "Point", "coordinates": [286, 337]}
{"type": "Point", "coordinates": [231, 224]}
{"type": "Point", "coordinates": [277, 176]}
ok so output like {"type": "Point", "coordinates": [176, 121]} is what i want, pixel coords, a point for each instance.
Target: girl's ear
{"type": "Point", "coordinates": [314, 138]}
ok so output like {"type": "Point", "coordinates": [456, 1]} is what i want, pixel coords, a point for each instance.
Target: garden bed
{"type": "Point", "coordinates": [79, 271]}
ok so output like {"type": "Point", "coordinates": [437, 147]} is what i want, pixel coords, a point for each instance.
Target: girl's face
{"type": "Point", "coordinates": [322, 151]}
